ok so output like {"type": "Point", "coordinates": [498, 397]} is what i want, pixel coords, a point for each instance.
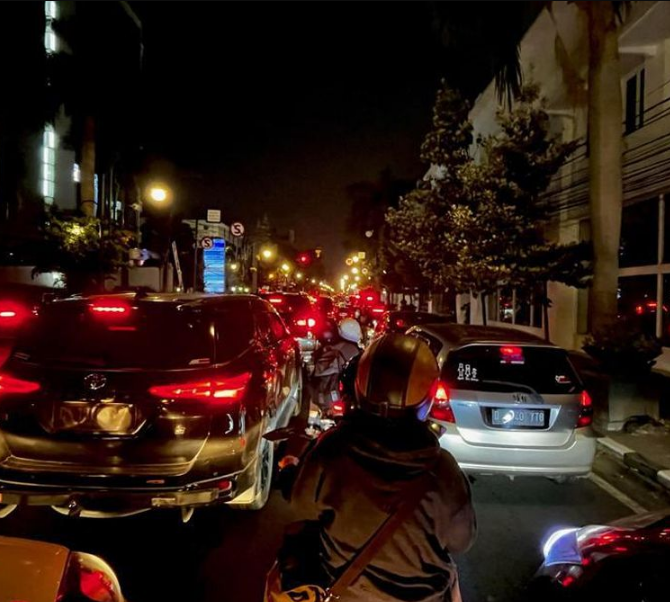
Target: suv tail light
{"type": "Point", "coordinates": [12, 314]}
{"type": "Point", "coordinates": [221, 390]}
{"type": "Point", "coordinates": [110, 309]}
{"type": "Point", "coordinates": [441, 409]}
{"type": "Point", "coordinates": [585, 410]}
{"type": "Point", "coordinates": [10, 385]}
{"type": "Point", "coordinates": [89, 577]}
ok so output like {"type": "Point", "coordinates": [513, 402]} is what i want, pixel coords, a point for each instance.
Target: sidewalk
{"type": "Point", "coordinates": [646, 449]}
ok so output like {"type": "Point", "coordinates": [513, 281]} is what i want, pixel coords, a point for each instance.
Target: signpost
{"type": "Point", "coordinates": [214, 216]}
{"type": "Point", "coordinates": [237, 229]}
{"type": "Point", "coordinates": [207, 242]}
{"type": "Point", "coordinates": [214, 258]}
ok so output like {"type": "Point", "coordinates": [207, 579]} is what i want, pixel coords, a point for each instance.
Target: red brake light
{"type": "Point", "coordinates": [586, 410]}
{"type": "Point", "coordinates": [441, 409]}
{"type": "Point", "coordinates": [110, 308]}
{"type": "Point", "coordinates": [311, 322]}
{"type": "Point", "coordinates": [223, 389]}
{"type": "Point", "coordinates": [276, 300]}
{"type": "Point", "coordinates": [369, 298]}
{"type": "Point", "coordinates": [378, 310]}
{"type": "Point", "coordinates": [9, 385]}
{"type": "Point", "coordinates": [12, 314]}
{"type": "Point", "coordinates": [511, 354]}
{"type": "Point", "coordinates": [301, 322]}
{"type": "Point", "coordinates": [339, 407]}
{"type": "Point", "coordinates": [96, 585]}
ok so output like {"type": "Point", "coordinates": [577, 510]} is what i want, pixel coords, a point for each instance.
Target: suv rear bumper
{"type": "Point", "coordinates": [573, 459]}
{"type": "Point", "coordinates": [113, 498]}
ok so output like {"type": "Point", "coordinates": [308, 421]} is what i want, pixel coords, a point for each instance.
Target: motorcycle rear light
{"type": "Point", "coordinates": [339, 407]}
{"type": "Point", "coordinates": [219, 390]}
{"type": "Point", "coordinates": [9, 385]}
{"type": "Point", "coordinates": [441, 409]}
{"type": "Point", "coordinates": [586, 410]}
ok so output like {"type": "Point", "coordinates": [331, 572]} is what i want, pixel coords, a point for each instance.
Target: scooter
{"type": "Point", "coordinates": [624, 561]}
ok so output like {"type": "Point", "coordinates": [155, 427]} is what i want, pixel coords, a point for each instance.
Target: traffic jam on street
{"type": "Point", "coordinates": [387, 320]}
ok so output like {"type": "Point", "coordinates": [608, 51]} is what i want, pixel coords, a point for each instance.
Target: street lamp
{"type": "Point", "coordinates": [267, 254]}
{"type": "Point", "coordinates": [285, 267]}
{"type": "Point", "coordinates": [354, 270]}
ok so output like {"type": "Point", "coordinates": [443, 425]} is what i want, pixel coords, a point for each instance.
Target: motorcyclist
{"type": "Point", "coordinates": [330, 360]}
{"type": "Point", "coordinates": [353, 474]}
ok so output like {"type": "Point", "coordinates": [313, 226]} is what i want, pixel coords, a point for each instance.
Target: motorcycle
{"type": "Point", "coordinates": [624, 561]}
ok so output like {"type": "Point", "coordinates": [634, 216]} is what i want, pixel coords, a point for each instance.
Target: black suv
{"type": "Point", "coordinates": [115, 404]}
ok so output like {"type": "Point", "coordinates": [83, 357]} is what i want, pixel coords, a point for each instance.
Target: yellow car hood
{"type": "Point", "coordinates": [30, 571]}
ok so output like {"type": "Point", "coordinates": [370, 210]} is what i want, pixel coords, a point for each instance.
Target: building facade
{"type": "Point", "coordinates": [554, 54]}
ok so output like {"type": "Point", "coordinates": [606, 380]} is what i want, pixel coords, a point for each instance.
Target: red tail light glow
{"type": "Point", "coordinates": [109, 308]}
{"type": "Point", "coordinates": [223, 389]}
{"type": "Point", "coordinates": [441, 409]}
{"type": "Point", "coordinates": [12, 314]}
{"type": "Point", "coordinates": [378, 310]}
{"type": "Point", "coordinates": [9, 385]}
{"type": "Point", "coordinates": [276, 300]}
{"type": "Point", "coordinates": [95, 585]}
{"type": "Point", "coordinates": [586, 410]}
{"type": "Point", "coordinates": [511, 354]}
{"type": "Point", "coordinates": [339, 407]}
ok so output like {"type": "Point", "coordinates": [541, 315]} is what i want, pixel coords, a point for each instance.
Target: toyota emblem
{"type": "Point", "coordinates": [95, 381]}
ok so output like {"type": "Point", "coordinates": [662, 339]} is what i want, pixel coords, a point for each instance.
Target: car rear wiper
{"type": "Point", "coordinates": [510, 384]}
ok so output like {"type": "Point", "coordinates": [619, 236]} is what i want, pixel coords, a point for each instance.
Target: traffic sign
{"type": "Point", "coordinates": [237, 229]}
{"type": "Point", "coordinates": [214, 216]}
{"type": "Point", "coordinates": [207, 242]}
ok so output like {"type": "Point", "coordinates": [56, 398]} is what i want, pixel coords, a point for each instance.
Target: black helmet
{"type": "Point", "coordinates": [395, 374]}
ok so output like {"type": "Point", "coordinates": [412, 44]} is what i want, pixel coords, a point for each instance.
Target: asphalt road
{"type": "Point", "coordinates": [222, 555]}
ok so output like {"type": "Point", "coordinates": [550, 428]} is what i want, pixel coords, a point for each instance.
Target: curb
{"type": "Point", "coordinates": [637, 461]}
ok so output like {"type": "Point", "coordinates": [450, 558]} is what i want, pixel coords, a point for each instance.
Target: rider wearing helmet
{"type": "Point", "coordinates": [349, 479]}
{"type": "Point", "coordinates": [330, 360]}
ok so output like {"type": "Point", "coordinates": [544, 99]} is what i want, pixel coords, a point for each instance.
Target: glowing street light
{"type": "Point", "coordinates": [345, 277]}
{"type": "Point", "coordinates": [234, 266]}
{"type": "Point", "coordinates": [267, 253]}
{"type": "Point", "coordinates": [159, 194]}
{"type": "Point", "coordinates": [354, 270]}
{"type": "Point", "coordinates": [285, 267]}
{"type": "Point", "coordinates": [355, 259]}
{"type": "Point", "coordinates": [357, 278]}
{"type": "Point", "coordinates": [298, 276]}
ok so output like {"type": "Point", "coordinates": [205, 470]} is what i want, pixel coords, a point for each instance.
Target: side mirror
{"type": "Point", "coordinates": [282, 434]}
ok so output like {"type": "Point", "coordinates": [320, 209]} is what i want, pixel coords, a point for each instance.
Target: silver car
{"type": "Point", "coordinates": [509, 403]}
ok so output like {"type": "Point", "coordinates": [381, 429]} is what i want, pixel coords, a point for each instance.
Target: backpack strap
{"type": "Point", "coordinates": [411, 496]}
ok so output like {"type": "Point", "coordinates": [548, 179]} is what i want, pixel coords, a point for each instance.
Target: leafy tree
{"type": "Point", "coordinates": [476, 225]}
{"type": "Point", "coordinates": [86, 250]}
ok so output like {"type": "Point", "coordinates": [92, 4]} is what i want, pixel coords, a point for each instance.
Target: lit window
{"type": "Point", "coordinates": [49, 39]}
{"type": "Point", "coordinates": [49, 137]}
{"type": "Point", "coordinates": [76, 173]}
{"type": "Point", "coordinates": [51, 10]}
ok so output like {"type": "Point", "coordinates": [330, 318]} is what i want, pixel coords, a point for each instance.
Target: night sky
{"type": "Point", "coordinates": [277, 107]}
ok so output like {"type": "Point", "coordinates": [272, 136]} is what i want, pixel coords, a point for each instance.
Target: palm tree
{"type": "Point", "coordinates": [478, 29]}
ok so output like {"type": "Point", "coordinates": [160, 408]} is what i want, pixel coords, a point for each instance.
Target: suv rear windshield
{"type": "Point", "coordinates": [159, 338]}
{"type": "Point", "coordinates": [289, 305]}
{"type": "Point", "coordinates": [504, 367]}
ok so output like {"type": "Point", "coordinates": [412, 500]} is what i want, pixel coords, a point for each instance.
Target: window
{"type": "Point", "coordinates": [476, 367]}
{"type": "Point", "coordinates": [639, 234]}
{"type": "Point", "coordinates": [277, 326]}
{"type": "Point", "coordinates": [637, 301]}
{"type": "Point", "coordinates": [635, 102]}
{"type": "Point", "coordinates": [49, 164]}
{"type": "Point", "coordinates": [265, 330]}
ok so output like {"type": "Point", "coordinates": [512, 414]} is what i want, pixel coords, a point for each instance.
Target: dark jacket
{"type": "Point", "coordinates": [358, 469]}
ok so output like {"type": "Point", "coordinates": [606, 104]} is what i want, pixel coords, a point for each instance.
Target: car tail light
{"type": "Point", "coordinates": [12, 314]}
{"type": "Point", "coordinates": [89, 577]}
{"type": "Point", "coordinates": [511, 354]}
{"type": "Point", "coordinates": [9, 385]}
{"type": "Point", "coordinates": [441, 409]}
{"type": "Point", "coordinates": [223, 389]}
{"type": "Point", "coordinates": [378, 310]}
{"type": "Point", "coordinates": [585, 410]}
{"type": "Point", "coordinates": [276, 300]}
{"type": "Point", "coordinates": [110, 308]}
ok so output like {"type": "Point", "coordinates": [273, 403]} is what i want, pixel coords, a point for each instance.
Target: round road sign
{"type": "Point", "coordinates": [237, 229]}
{"type": "Point", "coordinates": [206, 242]}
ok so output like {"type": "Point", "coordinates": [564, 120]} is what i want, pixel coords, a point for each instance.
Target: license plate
{"type": "Point", "coordinates": [512, 417]}
{"type": "Point", "coordinates": [107, 417]}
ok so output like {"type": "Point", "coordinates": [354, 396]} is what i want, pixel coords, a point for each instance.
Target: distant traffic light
{"type": "Point", "coordinates": [304, 259]}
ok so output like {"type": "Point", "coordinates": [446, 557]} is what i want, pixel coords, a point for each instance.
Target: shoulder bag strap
{"type": "Point", "coordinates": [410, 500]}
